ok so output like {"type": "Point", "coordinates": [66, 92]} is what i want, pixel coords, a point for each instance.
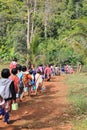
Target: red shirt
{"type": "Point", "coordinates": [13, 65]}
{"type": "Point", "coordinates": [16, 81]}
{"type": "Point", "coordinates": [47, 70]}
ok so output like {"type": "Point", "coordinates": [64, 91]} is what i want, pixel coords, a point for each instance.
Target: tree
{"type": "Point", "coordinates": [28, 30]}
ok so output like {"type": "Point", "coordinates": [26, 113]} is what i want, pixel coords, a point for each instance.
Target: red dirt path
{"type": "Point", "coordinates": [43, 112]}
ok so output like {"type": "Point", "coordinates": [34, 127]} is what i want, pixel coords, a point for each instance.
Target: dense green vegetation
{"type": "Point", "coordinates": [58, 30]}
{"type": "Point", "coordinates": [78, 98]}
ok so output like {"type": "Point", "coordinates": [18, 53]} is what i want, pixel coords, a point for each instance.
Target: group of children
{"type": "Point", "coordinates": [17, 81]}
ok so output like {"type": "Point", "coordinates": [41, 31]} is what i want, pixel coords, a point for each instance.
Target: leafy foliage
{"type": "Point", "coordinates": [66, 30]}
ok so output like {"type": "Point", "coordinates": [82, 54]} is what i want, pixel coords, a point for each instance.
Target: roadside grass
{"type": "Point", "coordinates": [80, 125]}
{"type": "Point", "coordinates": [78, 98]}
{"type": "Point", "coordinates": [4, 65]}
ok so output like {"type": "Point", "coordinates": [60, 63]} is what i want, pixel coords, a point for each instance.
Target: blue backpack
{"type": "Point", "coordinates": [20, 76]}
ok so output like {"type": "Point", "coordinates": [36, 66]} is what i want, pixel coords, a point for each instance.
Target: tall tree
{"type": "Point", "coordinates": [46, 17]}
{"type": "Point", "coordinates": [28, 29]}
{"type": "Point", "coordinates": [33, 18]}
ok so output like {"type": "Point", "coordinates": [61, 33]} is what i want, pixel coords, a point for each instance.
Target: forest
{"type": "Point", "coordinates": [46, 31]}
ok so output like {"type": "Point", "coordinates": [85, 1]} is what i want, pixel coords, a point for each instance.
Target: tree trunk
{"type": "Point", "coordinates": [46, 18]}
{"type": "Point", "coordinates": [32, 29]}
{"type": "Point", "coordinates": [77, 9]}
{"type": "Point", "coordinates": [28, 30]}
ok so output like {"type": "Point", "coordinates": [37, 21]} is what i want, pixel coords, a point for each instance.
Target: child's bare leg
{"type": "Point", "coordinates": [1, 116]}
{"type": "Point", "coordinates": [21, 96]}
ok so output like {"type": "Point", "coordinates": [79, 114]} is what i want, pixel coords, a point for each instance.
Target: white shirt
{"type": "Point", "coordinates": [38, 79]}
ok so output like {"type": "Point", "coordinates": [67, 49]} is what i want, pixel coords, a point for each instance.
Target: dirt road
{"type": "Point", "coordinates": [43, 112]}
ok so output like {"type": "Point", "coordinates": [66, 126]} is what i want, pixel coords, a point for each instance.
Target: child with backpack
{"type": "Point", "coordinates": [47, 72]}
{"type": "Point", "coordinates": [7, 94]}
{"type": "Point", "coordinates": [26, 80]}
{"type": "Point", "coordinates": [32, 84]}
{"type": "Point", "coordinates": [15, 79]}
{"type": "Point", "coordinates": [38, 81]}
{"type": "Point", "coordinates": [21, 86]}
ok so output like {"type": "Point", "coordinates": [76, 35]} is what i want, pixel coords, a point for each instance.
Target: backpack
{"type": "Point", "coordinates": [26, 79]}
{"type": "Point", "coordinates": [2, 91]}
{"type": "Point", "coordinates": [5, 91]}
{"type": "Point", "coordinates": [20, 76]}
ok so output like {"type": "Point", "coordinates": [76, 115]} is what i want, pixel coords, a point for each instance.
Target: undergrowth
{"type": "Point", "coordinates": [77, 96]}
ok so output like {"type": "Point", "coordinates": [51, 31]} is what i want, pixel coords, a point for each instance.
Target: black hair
{"type": "Point", "coordinates": [24, 68]}
{"type": "Point", "coordinates": [1, 97]}
{"type": "Point", "coordinates": [15, 59]}
{"type": "Point", "coordinates": [14, 71]}
{"type": "Point", "coordinates": [40, 65]}
{"type": "Point", "coordinates": [5, 73]}
{"type": "Point", "coordinates": [19, 67]}
{"type": "Point", "coordinates": [30, 71]}
{"type": "Point", "coordinates": [38, 71]}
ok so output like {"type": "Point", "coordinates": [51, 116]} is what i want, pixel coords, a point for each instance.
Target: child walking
{"type": "Point", "coordinates": [39, 81]}
{"type": "Point", "coordinates": [4, 110]}
{"type": "Point", "coordinates": [7, 94]}
{"type": "Point", "coordinates": [26, 80]}
{"type": "Point", "coordinates": [2, 104]}
{"type": "Point", "coordinates": [21, 86]}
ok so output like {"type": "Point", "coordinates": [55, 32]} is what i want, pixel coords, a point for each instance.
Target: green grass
{"type": "Point", "coordinates": [80, 125]}
{"type": "Point", "coordinates": [78, 98]}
